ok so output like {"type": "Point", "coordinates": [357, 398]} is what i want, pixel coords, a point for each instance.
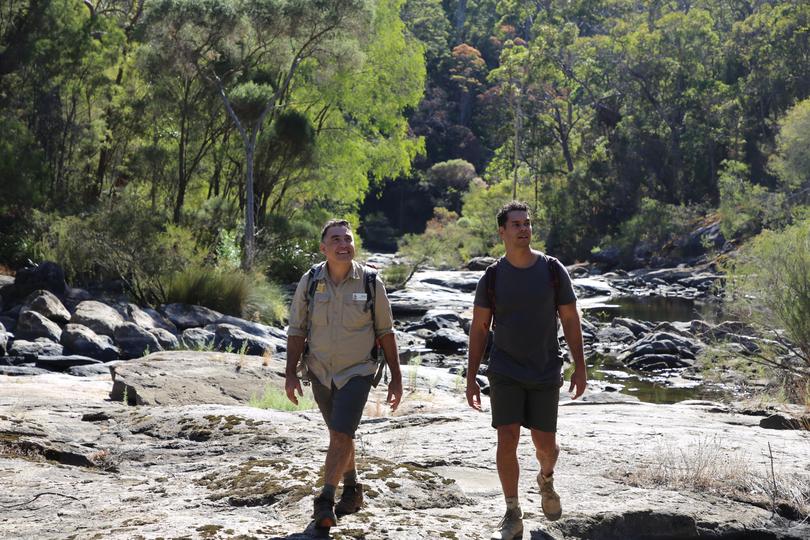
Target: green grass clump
{"type": "Point", "coordinates": [276, 399]}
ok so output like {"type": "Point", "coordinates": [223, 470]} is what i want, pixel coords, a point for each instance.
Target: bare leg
{"type": "Point", "coordinates": [546, 449]}
{"type": "Point", "coordinates": [338, 457]}
{"type": "Point", "coordinates": [506, 458]}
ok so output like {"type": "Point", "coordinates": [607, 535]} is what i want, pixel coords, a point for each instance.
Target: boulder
{"type": "Point", "coordinates": [185, 316]}
{"type": "Point", "coordinates": [35, 349]}
{"type": "Point", "coordinates": [47, 304]}
{"type": "Point", "coordinates": [3, 341]}
{"type": "Point", "coordinates": [638, 328]}
{"type": "Point", "coordinates": [230, 338]}
{"type": "Point", "coordinates": [147, 318]}
{"type": "Point", "coordinates": [446, 340]}
{"type": "Point", "coordinates": [276, 336]}
{"type": "Point", "coordinates": [98, 317]}
{"type": "Point", "coordinates": [21, 371]}
{"type": "Point", "coordinates": [167, 340]}
{"type": "Point", "coordinates": [660, 350]}
{"type": "Point", "coordinates": [460, 283]}
{"type": "Point", "coordinates": [197, 339]}
{"type": "Point", "coordinates": [63, 363]}
{"type": "Point", "coordinates": [73, 297]}
{"type": "Point", "coordinates": [436, 320]}
{"type": "Point", "coordinates": [134, 341]}
{"type": "Point", "coordinates": [783, 421]}
{"type": "Point", "coordinates": [32, 325]}
{"type": "Point", "coordinates": [480, 263]}
{"type": "Point", "coordinates": [90, 370]}
{"type": "Point", "coordinates": [615, 334]}
{"type": "Point", "coordinates": [48, 276]}
{"type": "Point", "coordinates": [81, 340]}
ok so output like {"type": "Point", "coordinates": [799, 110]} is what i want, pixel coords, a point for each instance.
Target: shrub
{"type": "Point", "coordinates": [276, 399]}
{"type": "Point", "coordinates": [655, 224]}
{"type": "Point", "coordinates": [769, 285]}
{"type": "Point", "coordinates": [745, 207]}
{"type": "Point", "coordinates": [229, 291]}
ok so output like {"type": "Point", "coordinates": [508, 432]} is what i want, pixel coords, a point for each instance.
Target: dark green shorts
{"type": "Point", "coordinates": [342, 408]}
{"type": "Point", "coordinates": [531, 405]}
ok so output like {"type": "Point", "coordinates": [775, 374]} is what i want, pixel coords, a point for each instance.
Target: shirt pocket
{"type": "Point", "coordinates": [354, 316]}
{"type": "Point", "coordinates": [320, 309]}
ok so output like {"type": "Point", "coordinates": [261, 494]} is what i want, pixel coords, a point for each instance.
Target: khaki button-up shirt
{"type": "Point", "coordinates": [341, 335]}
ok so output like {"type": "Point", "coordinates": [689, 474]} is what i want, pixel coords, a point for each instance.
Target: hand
{"type": "Point", "coordinates": [291, 384]}
{"type": "Point", "coordinates": [474, 395]}
{"type": "Point", "coordinates": [394, 393]}
{"type": "Point", "coordinates": [579, 380]}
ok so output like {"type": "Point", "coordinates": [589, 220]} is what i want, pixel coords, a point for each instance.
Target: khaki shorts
{"type": "Point", "coordinates": [531, 405]}
{"type": "Point", "coordinates": [342, 408]}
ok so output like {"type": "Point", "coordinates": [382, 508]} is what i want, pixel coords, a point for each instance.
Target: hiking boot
{"type": "Point", "coordinates": [549, 499]}
{"type": "Point", "coordinates": [351, 500]}
{"type": "Point", "coordinates": [510, 527]}
{"type": "Point", "coordinates": [324, 513]}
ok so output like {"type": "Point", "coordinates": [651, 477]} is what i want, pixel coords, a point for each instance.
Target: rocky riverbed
{"type": "Point", "coordinates": [99, 441]}
{"type": "Point", "coordinates": [192, 460]}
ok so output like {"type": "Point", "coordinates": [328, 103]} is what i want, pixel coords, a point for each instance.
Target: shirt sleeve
{"type": "Point", "coordinates": [383, 319]}
{"type": "Point", "coordinates": [481, 296]}
{"type": "Point", "coordinates": [566, 294]}
{"type": "Point", "coordinates": [298, 310]}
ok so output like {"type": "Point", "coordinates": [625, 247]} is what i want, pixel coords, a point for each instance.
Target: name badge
{"type": "Point", "coordinates": [359, 297]}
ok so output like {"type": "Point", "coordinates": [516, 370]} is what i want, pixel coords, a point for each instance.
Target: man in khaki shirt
{"type": "Point", "coordinates": [336, 344]}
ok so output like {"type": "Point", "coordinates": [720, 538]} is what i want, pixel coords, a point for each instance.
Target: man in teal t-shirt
{"type": "Point", "coordinates": [524, 293]}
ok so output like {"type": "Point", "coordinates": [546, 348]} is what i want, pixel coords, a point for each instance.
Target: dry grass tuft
{"type": "Point", "coordinates": [706, 466]}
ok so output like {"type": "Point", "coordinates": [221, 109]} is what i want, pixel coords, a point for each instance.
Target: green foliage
{"type": "Point", "coordinates": [769, 283]}
{"type": "Point", "coordinates": [655, 224]}
{"type": "Point", "coordinates": [397, 275]}
{"type": "Point", "coordinates": [792, 158]}
{"type": "Point", "coordinates": [276, 399]}
{"type": "Point", "coordinates": [266, 302]}
{"type": "Point", "coordinates": [447, 242]}
{"type": "Point", "coordinates": [745, 207]}
{"type": "Point", "coordinates": [223, 290]}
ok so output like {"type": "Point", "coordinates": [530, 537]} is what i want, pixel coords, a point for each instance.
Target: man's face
{"type": "Point", "coordinates": [338, 244]}
{"type": "Point", "coordinates": [517, 232]}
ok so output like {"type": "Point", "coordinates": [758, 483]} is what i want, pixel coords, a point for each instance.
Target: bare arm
{"type": "Point", "coordinates": [388, 342]}
{"type": "Point", "coordinates": [479, 330]}
{"type": "Point", "coordinates": [295, 348]}
{"type": "Point", "coordinates": [572, 328]}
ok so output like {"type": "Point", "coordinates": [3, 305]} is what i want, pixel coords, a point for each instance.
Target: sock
{"type": "Point", "coordinates": [350, 478]}
{"type": "Point", "coordinates": [328, 492]}
{"type": "Point", "coordinates": [512, 503]}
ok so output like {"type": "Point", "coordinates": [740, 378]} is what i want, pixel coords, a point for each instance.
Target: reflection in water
{"type": "Point", "coordinates": [658, 308]}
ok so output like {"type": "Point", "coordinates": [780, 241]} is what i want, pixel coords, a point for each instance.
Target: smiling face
{"type": "Point", "coordinates": [516, 233]}
{"type": "Point", "coordinates": [338, 245]}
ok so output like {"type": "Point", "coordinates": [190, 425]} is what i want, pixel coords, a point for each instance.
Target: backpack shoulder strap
{"type": "Point", "coordinates": [312, 284]}
{"type": "Point", "coordinates": [370, 286]}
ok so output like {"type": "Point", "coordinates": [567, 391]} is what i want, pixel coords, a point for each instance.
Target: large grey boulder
{"type": "Point", "coordinates": [661, 350]}
{"type": "Point", "coordinates": [98, 317]}
{"type": "Point", "coordinates": [3, 340]}
{"type": "Point", "coordinates": [182, 378]}
{"type": "Point", "coordinates": [615, 334]}
{"type": "Point", "coordinates": [167, 340]}
{"type": "Point", "coordinates": [64, 363]}
{"type": "Point", "coordinates": [21, 371]}
{"type": "Point", "coordinates": [146, 318]}
{"type": "Point", "coordinates": [32, 325]}
{"type": "Point", "coordinates": [134, 341]}
{"type": "Point", "coordinates": [185, 316]}
{"type": "Point", "coordinates": [197, 339]}
{"type": "Point", "coordinates": [47, 275]}
{"type": "Point", "coordinates": [81, 340]}
{"type": "Point", "coordinates": [446, 341]}
{"type": "Point", "coordinates": [47, 304]}
{"type": "Point", "coordinates": [276, 336]}
{"type": "Point", "coordinates": [638, 328]}
{"type": "Point", "coordinates": [480, 263]}
{"type": "Point", "coordinates": [10, 323]}
{"type": "Point", "coordinates": [230, 338]}
{"type": "Point", "coordinates": [36, 348]}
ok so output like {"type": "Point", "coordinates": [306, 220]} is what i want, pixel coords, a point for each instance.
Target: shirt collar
{"type": "Point", "coordinates": [355, 273]}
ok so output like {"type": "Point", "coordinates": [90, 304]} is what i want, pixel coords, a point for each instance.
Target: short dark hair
{"type": "Point", "coordinates": [503, 213]}
{"type": "Point", "coordinates": [334, 223]}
